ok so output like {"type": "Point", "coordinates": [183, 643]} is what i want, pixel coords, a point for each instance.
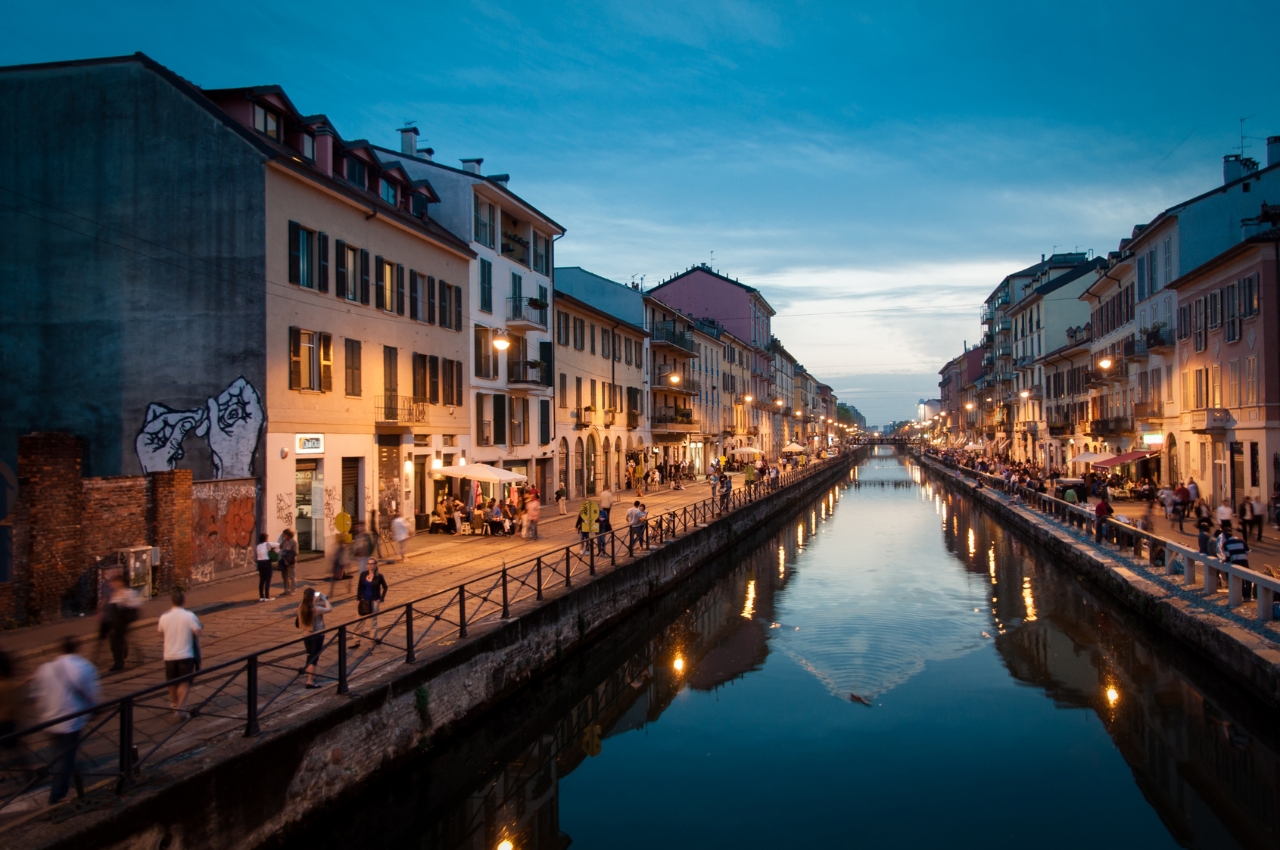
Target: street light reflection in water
{"type": "Point", "coordinates": [867, 652]}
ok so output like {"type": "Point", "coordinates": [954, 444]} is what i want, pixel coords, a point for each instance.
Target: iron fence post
{"type": "Point", "coordinates": [506, 606]}
{"type": "Point", "coordinates": [613, 548]}
{"type": "Point", "coordinates": [539, 569]}
{"type": "Point", "coordinates": [462, 610]}
{"type": "Point", "coordinates": [591, 554]}
{"type": "Point", "coordinates": [410, 655]}
{"type": "Point", "coordinates": [125, 782]}
{"type": "Point", "coordinates": [568, 566]}
{"type": "Point", "coordinates": [251, 697]}
{"type": "Point", "coordinates": [342, 659]}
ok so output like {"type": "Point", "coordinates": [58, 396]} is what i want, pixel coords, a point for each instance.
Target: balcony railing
{"type": "Point", "coordinates": [1210, 419]}
{"type": "Point", "coordinates": [674, 419]}
{"type": "Point", "coordinates": [1135, 348]}
{"type": "Point", "coordinates": [399, 409]}
{"type": "Point", "coordinates": [585, 416]}
{"type": "Point", "coordinates": [668, 333]}
{"type": "Point", "coordinates": [1148, 410]}
{"type": "Point", "coordinates": [1160, 339]}
{"type": "Point", "coordinates": [1110, 427]}
{"type": "Point", "coordinates": [684, 384]}
{"type": "Point", "coordinates": [528, 311]}
{"type": "Point", "coordinates": [1004, 324]}
{"type": "Point", "coordinates": [633, 419]}
{"type": "Point", "coordinates": [1005, 350]}
{"type": "Point", "coordinates": [526, 372]}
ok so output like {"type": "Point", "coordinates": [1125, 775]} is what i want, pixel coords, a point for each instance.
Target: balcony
{"type": "Point", "coordinates": [608, 417]}
{"type": "Point", "coordinates": [399, 410]}
{"type": "Point", "coordinates": [1005, 350]}
{"type": "Point", "coordinates": [1210, 419]}
{"type": "Point", "coordinates": [989, 360]}
{"type": "Point", "coordinates": [486, 433]}
{"type": "Point", "coordinates": [662, 382]}
{"type": "Point", "coordinates": [526, 314]}
{"type": "Point", "coordinates": [583, 417]}
{"type": "Point", "coordinates": [1148, 410]}
{"type": "Point", "coordinates": [1004, 324]}
{"type": "Point", "coordinates": [1113, 427]}
{"type": "Point", "coordinates": [674, 420]}
{"type": "Point", "coordinates": [1059, 426]}
{"type": "Point", "coordinates": [527, 372]}
{"type": "Point", "coordinates": [1135, 349]}
{"type": "Point", "coordinates": [1002, 300]}
{"type": "Point", "coordinates": [1161, 340]}
{"type": "Point", "coordinates": [633, 420]}
{"type": "Point", "coordinates": [988, 314]}
{"type": "Point", "coordinates": [1005, 377]}
{"type": "Point", "coordinates": [666, 334]}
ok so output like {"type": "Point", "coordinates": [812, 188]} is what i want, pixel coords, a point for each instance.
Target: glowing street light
{"type": "Point", "coordinates": [1025, 393]}
{"type": "Point", "coordinates": [748, 398]}
{"type": "Point", "coordinates": [674, 377]}
{"type": "Point", "coordinates": [501, 341]}
{"type": "Point", "coordinates": [1104, 363]}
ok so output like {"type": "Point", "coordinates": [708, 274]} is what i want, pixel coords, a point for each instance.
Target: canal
{"type": "Point", "coordinates": [890, 669]}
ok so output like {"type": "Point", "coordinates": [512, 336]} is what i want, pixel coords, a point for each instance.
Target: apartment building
{"type": "Point", "coordinates": [742, 310]}
{"type": "Point", "coordinates": [1227, 433]}
{"type": "Point", "coordinates": [739, 416]}
{"type": "Point", "coordinates": [506, 308]}
{"type": "Point", "coordinates": [673, 415]}
{"type": "Point", "coordinates": [1067, 375]}
{"type": "Point", "coordinates": [826, 413]}
{"type": "Point", "coordinates": [956, 390]}
{"type": "Point", "coordinates": [787, 425]}
{"type": "Point", "coordinates": [599, 414]}
{"type": "Point", "coordinates": [257, 293]}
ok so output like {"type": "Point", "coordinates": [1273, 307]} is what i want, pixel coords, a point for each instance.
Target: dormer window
{"type": "Point", "coordinates": [266, 122]}
{"type": "Point", "coordinates": [355, 172]}
{"type": "Point", "coordinates": [389, 192]}
{"type": "Point", "coordinates": [309, 146]}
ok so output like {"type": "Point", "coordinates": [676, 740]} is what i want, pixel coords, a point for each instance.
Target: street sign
{"type": "Point", "coordinates": [589, 513]}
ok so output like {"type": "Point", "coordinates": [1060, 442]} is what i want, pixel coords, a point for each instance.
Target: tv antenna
{"type": "Point", "coordinates": [1242, 120]}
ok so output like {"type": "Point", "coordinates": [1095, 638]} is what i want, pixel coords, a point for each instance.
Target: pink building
{"type": "Point", "coordinates": [1228, 437]}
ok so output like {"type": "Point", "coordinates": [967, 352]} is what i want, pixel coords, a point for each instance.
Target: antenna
{"type": "Point", "coordinates": [1242, 120]}
{"type": "Point", "coordinates": [713, 257]}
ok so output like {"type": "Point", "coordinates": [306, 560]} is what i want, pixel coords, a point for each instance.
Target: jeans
{"type": "Point", "coordinates": [64, 762]}
{"type": "Point", "coordinates": [362, 626]}
{"type": "Point", "coordinates": [637, 536]}
{"type": "Point", "coordinates": [287, 582]}
{"type": "Point", "coordinates": [264, 579]}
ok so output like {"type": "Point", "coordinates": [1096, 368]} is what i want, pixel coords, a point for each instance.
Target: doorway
{"type": "Point", "coordinates": [305, 476]}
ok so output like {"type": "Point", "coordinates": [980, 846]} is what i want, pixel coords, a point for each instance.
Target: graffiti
{"type": "Point", "coordinates": [231, 423]}
{"type": "Point", "coordinates": [222, 527]}
{"type": "Point", "coordinates": [330, 509]}
{"type": "Point", "coordinates": [284, 509]}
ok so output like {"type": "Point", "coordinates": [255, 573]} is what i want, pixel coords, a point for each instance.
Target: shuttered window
{"type": "Point", "coordinates": [310, 360]}
{"type": "Point", "coordinates": [380, 283]}
{"type": "Point", "coordinates": [486, 285]}
{"type": "Point", "coordinates": [322, 255]}
{"type": "Point", "coordinates": [415, 310]}
{"type": "Point", "coordinates": [544, 422]}
{"type": "Point", "coordinates": [364, 276]}
{"type": "Point", "coordinates": [431, 300]}
{"type": "Point", "coordinates": [390, 370]}
{"type": "Point", "coordinates": [351, 366]}
{"type": "Point", "coordinates": [433, 379]}
{"type": "Point", "coordinates": [399, 290]}
{"type": "Point", "coordinates": [499, 420]}
{"type": "Point", "coordinates": [419, 377]}
{"type": "Point", "coordinates": [446, 312]}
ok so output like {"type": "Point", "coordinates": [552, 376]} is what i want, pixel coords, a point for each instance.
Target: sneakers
{"type": "Point", "coordinates": [265, 599]}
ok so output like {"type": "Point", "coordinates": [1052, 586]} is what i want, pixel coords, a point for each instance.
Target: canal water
{"type": "Point", "coordinates": [889, 669]}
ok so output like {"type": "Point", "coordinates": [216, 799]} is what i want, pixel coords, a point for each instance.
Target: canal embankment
{"type": "Point", "coordinates": [237, 791]}
{"type": "Point", "coordinates": [1244, 648]}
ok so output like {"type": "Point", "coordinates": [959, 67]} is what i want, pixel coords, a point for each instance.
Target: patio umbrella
{"type": "Point", "coordinates": [793, 447]}
{"type": "Point", "coordinates": [746, 450]}
{"type": "Point", "coordinates": [1092, 457]}
{"type": "Point", "coordinates": [482, 472]}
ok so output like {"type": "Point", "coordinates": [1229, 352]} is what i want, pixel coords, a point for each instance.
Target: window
{"type": "Point", "coordinates": [1230, 320]}
{"type": "Point", "coordinates": [579, 333]}
{"type": "Point", "coordinates": [389, 296]}
{"type": "Point", "coordinates": [308, 147]}
{"type": "Point", "coordinates": [415, 296]}
{"type": "Point", "coordinates": [1152, 283]}
{"type": "Point", "coordinates": [431, 300]}
{"type": "Point", "coordinates": [302, 256]}
{"type": "Point", "coordinates": [419, 377]}
{"type": "Point", "coordinates": [1156, 396]}
{"type": "Point", "coordinates": [486, 359]}
{"type": "Point", "coordinates": [1233, 383]}
{"type": "Point", "coordinates": [390, 370]}
{"type": "Point", "coordinates": [452, 382]}
{"type": "Point", "coordinates": [486, 285]}
{"type": "Point", "coordinates": [1216, 386]}
{"type": "Point", "coordinates": [266, 122]}
{"type": "Point", "coordinates": [604, 343]}
{"type": "Point", "coordinates": [347, 271]}
{"type": "Point", "coordinates": [1184, 321]}
{"type": "Point", "coordinates": [591, 337]}
{"type": "Point", "coordinates": [517, 288]}
{"type": "Point", "coordinates": [446, 305]}
{"type": "Point", "coordinates": [389, 192]}
{"type": "Point", "coordinates": [541, 253]}
{"type": "Point", "coordinates": [433, 380]}
{"type": "Point", "coordinates": [484, 223]}
{"type": "Point", "coordinates": [1142, 277]}
{"type": "Point", "coordinates": [351, 365]}
{"type": "Point", "coordinates": [1168, 260]}
{"type": "Point", "coordinates": [562, 327]}
{"type": "Point", "coordinates": [1197, 323]}
{"type": "Point", "coordinates": [627, 350]}
{"type": "Point", "coordinates": [310, 360]}
{"type": "Point", "coordinates": [544, 422]}
{"type": "Point", "coordinates": [1251, 380]}
{"type": "Point", "coordinates": [577, 392]}
{"type": "Point", "coordinates": [1248, 293]}
{"type": "Point", "coordinates": [1213, 309]}
{"type": "Point", "coordinates": [1168, 382]}
{"type": "Point", "coordinates": [564, 390]}
{"type": "Point", "coordinates": [356, 172]}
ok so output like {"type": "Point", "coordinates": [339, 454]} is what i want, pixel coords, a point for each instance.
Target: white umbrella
{"type": "Point", "coordinates": [973, 447]}
{"type": "Point", "coordinates": [746, 450]}
{"type": "Point", "coordinates": [1092, 457]}
{"type": "Point", "coordinates": [481, 472]}
{"type": "Point", "coordinates": [793, 447]}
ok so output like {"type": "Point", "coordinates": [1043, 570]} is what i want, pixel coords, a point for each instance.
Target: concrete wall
{"type": "Point", "coordinates": [311, 762]}
{"type": "Point", "coordinates": [134, 266]}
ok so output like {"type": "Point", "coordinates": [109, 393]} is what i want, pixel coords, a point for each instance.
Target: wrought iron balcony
{"type": "Point", "coordinates": [667, 334]}
{"type": "Point", "coordinates": [529, 314]}
{"type": "Point", "coordinates": [399, 409]}
{"type": "Point", "coordinates": [1161, 339]}
{"type": "Point", "coordinates": [526, 372]}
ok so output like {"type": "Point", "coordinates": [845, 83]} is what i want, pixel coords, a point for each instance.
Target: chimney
{"type": "Point", "coordinates": [324, 149]}
{"type": "Point", "coordinates": [1273, 151]}
{"type": "Point", "coordinates": [501, 179]}
{"type": "Point", "coordinates": [1231, 168]}
{"type": "Point", "coordinates": [426, 153]}
{"type": "Point", "coordinates": [472, 166]}
{"type": "Point", "coordinates": [408, 140]}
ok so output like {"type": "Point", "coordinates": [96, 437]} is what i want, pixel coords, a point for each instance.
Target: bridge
{"type": "Point", "coordinates": [885, 440]}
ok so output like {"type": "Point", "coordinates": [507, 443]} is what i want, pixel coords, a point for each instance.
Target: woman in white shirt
{"type": "Point", "coordinates": [263, 556]}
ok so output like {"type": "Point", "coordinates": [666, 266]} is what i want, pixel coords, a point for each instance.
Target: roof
{"type": "Point", "coordinates": [1142, 231]}
{"type": "Point", "coordinates": [584, 305]}
{"type": "Point", "coordinates": [607, 296]}
{"type": "Point", "coordinates": [273, 151]}
{"type": "Point", "coordinates": [1271, 236]}
{"type": "Point", "coordinates": [706, 269]}
{"type": "Point", "coordinates": [423, 166]}
{"type": "Point", "coordinates": [1067, 260]}
{"type": "Point", "coordinates": [1062, 280]}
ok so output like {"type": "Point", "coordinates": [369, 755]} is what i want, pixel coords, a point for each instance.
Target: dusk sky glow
{"type": "Point", "coordinates": [874, 172]}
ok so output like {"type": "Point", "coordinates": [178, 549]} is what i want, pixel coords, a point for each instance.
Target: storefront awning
{"type": "Point", "coordinates": [1127, 457]}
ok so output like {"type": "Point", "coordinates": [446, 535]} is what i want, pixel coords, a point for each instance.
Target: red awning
{"type": "Point", "coordinates": [1128, 457]}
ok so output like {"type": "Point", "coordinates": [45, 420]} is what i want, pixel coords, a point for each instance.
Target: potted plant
{"type": "Point", "coordinates": [536, 304]}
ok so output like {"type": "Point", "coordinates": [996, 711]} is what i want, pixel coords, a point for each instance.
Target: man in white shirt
{"type": "Point", "coordinates": [64, 686]}
{"type": "Point", "coordinates": [180, 628]}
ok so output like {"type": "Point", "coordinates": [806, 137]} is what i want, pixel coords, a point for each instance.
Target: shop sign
{"type": "Point", "coordinates": [309, 444]}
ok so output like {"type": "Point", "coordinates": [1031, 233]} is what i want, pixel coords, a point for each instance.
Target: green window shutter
{"type": "Point", "coordinates": [431, 300]}
{"type": "Point", "coordinates": [457, 308]}
{"type": "Point", "coordinates": [295, 252]}
{"type": "Point", "coordinates": [364, 276]}
{"type": "Point", "coordinates": [380, 283]}
{"type": "Point", "coordinates": [295, 358]}
{"type": "Point", "coordinates": [399, 289]}
{"type": "Point", "coordinates": [322, 247]}
{"type": "Point", "coordinates": [340, 268]}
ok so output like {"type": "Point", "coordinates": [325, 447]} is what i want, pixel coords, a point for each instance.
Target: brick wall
{"type": "Point", "coordinates": [48, 543]}
{"type": "Point", "coordinates": [115, 515]}
{"type": "Point", "coordinates": [169, 513]}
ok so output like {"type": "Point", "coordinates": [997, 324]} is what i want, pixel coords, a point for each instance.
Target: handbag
{"type": "Point", "coordinates": [364, 609]}
{"type": "Point", "coordinates": [273, 555]}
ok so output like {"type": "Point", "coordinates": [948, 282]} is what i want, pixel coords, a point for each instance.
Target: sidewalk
{"type": "Point", "coordinates": [235, 622]}
{"type": "Point", "coordinates": [1265, 553]}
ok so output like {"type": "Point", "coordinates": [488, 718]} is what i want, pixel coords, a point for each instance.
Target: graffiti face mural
{"type": "Point", "coordinates": [232, 424]}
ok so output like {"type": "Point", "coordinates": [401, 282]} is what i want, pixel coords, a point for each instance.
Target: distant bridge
{"type": "Point", "coordinates": [881, 440]}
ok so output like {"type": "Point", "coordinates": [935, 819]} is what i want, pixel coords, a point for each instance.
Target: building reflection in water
{"type": "Point", "coordinates": [1208, 766]}
{"type": "Point", "coordinates": [723, 636]}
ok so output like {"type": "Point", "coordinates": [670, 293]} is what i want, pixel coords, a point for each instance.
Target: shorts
{"type": "Point", "coordinates": [178, 669]}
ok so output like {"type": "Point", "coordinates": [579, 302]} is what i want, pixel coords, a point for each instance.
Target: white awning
{"type": "Point", "coordinates": [481, 472]}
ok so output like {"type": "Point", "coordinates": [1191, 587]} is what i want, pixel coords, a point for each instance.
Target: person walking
{"type": "Point", "coordinates": [338, 569]}
{"type": "Point", "coordinates": [120, 612]}
{"type": "Point", "coordinates": [362, 546]}
{"type": "Point", "coordinates": [532, 513]}
{"type": "Point", "coordinates": [605, 526]}
{"type": "Point", "coordinates": [587, 524]}
{"type": "Point", "coordinates": [561, 498]}
{"type": "Point", "coordinates": [370, 593]}
{"type": "Point", "coordinates": [1193, 490]}
{"type": "Point", "coordinates": [635, 524]}
{"type": "Point", "coordinates": [726, 486]}
{"type": "Point", "coordinates": [400, 531]}
{"type": "Point", "coordinates": [65, 685]}
{"type": "Point", "coordinates": [181, 629]}
{"type": "Point", "coordinates": [288, 561]}
{"type": "Point", "coordinates": [1258, 512]}
{"type": "Point", "coordinates": [265, 554]}
{"type": "Point", "coordinates": [310, 619]}
{"type": "Point", "coordinates": [1225, 515]}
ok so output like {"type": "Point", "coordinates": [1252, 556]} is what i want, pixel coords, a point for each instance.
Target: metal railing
{"type": "Point", "coordinates": [667, 332]}
{"type": "Point", "coordinates": [525, 309]}
{"type": "Point", "coordinates": [1197, 567]}
{"type": "Point", "coordinates": [399, 408]}
{"type": "Point", "coordinates": [126, 735]}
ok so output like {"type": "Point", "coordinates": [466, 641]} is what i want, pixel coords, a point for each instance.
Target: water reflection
{"type": "Point", "coordinates": [1199, 760]}
{"type": "Point", "coordinates": [1206, 766]}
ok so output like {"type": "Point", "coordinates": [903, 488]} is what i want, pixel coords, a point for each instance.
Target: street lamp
{"type": "Point", "coordinates": [778, 402]}
{"type": "Point", "coordinates": [501, 341]}
{"type": "Point", "coordinates": [1025, 393]}
{"type": "Point", "coordinates": [674, 377]}
{"type": "Point", "coordinates": [968, 405]}
{"type": "Point", "coordinates": [1104, 363]}
{"type": "Point", "coordinates": [748, 398]}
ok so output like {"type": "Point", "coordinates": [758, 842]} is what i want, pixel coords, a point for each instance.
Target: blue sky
{"type": "Point", "coordinates": [874, 168]}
